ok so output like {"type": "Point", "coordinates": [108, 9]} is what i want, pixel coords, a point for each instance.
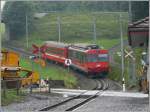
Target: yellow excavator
{"type": "Point", "coordinates": [10, 71]}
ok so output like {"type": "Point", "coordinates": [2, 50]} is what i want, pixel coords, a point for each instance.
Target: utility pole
{"type": "Point", "coordinates": [130, 12]}
{"type": "Point", "coordinates": [94, 30]}
{"type": "Point", "coordinates": [122, 52]}
{"type": "Point", "coordinates": [59, 28]}
{"type": "Point", "coordinates": [132, 62]}
{"type": "Point", "coordinates": [27, 34]}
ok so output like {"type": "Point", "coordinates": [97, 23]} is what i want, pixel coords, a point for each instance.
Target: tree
{"type": "Point", "coordinates": [140, 10]}
{"type": "Point", "coordinates": [14, 17]}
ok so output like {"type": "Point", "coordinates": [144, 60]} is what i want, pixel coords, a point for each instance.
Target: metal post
{"type": "Point", "coordinates": [59, 28]}
{"type": "Point", "coordinates": [134, 71]}
{"type": "Point", "coordinates": [27, 34]}
{"type": "Point", "coordinates": [130, 12]}
{"type": "Point", "coordinates": [49, 85]}
{"type": "Point", "coordinates": [94, 30]}
{"type": "Point", "coordinates": [31, 87]}
{"type": "Point", "coordinates": [39, 56]}
{"type": "Point", "coordinates": [122, 52]}
{"type": "Point", "coordinates": [4, 88]}
{"type": "Point", "coordinates": [68, 69]}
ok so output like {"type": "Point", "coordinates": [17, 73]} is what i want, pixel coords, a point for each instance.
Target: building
{"type": "Point", "coordinates": [138, 33]}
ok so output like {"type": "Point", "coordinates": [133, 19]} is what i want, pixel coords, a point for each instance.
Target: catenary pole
{"type": "Point", "coordinates": [94, 30]}
{"type": "Point", "coordinates": [122, 52]}
{"type": "Point", "coordinates": [59, 28]}
{"type": "Point", "coordinates": [27, 34]}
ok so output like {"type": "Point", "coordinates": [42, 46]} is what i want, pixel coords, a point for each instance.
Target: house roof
{"type": "Point", "coordinates": [143, 23]}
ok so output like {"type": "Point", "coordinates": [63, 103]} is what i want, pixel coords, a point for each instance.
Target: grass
{"type": "Point", "coordinates": [115, 73]}
{"type": "Point", "coordinates": [52, 72]}
{"type": "Point", "coordinates": [77, 28]}
{"type": "Point", "coordinates": [2, 29]}
{"type": "Point", "coordinates": [11, 96]}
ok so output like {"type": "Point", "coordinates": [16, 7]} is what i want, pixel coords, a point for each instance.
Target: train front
{"type": "Point", "coordinates": [98, 62]}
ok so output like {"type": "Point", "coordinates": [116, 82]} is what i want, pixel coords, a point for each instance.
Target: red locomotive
{"type": "Point", "coordinates": [88, 58]}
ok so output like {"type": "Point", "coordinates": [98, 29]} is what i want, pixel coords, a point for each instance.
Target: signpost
{"type": "Point", "coordinates": [68, 62]}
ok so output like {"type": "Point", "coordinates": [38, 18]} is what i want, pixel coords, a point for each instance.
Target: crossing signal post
{"type": "Point", "coordinates": [129, 55]}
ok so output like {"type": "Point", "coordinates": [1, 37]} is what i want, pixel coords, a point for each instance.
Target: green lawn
{"type": "Point", "coordinates": [52, 72]}
{"type": "Point", "coordinates": [77, 28]}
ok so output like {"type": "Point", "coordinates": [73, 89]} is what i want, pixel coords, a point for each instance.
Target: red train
{"type": "Point", "coordinates": [88, 58]}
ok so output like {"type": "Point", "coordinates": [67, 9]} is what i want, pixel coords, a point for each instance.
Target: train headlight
{"type": "Point", "coordinates": [98, 65]}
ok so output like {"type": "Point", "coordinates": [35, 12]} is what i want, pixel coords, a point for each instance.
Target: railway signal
{"type": "Point", "coordinates": [131, 65]}
{"type": "Point", "coordinates": [37, 49]}
{"type": "Point", "coordinates": [129, 54]}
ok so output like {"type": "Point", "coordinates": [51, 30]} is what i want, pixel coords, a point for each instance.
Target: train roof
{"type": "Point", "coordinates": [85, 46]}
{"type": "Point", "coordinates": [56, 44]}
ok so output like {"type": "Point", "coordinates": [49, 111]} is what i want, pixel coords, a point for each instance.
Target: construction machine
{"type": "Point", "coordinates": [10, 71]}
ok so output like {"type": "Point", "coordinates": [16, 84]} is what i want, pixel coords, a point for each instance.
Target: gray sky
{"type": "Point", "coordinates": [2, 4]}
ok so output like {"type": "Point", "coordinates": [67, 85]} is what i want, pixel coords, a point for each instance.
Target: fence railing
{"type": "Point", "coordinates": [15, 85]}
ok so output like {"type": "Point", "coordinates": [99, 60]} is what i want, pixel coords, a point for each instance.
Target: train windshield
{"type": "Point", "coordinates": [92, 58]}
{"type": "Point", "coordinates": [103, 57]}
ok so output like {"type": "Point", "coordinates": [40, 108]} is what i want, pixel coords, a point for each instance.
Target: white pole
{"type": "Point", "coordinates": [59, 28]}
{"type": "Point", "coordinates": [122, 52]}
{"type": "Point", "coordinates": [94, 30]}
{"type": "Point", "coordinates": [148, 72]}
{"type": "Point", "coordinates": [27, 35]}
{"type": "Point", "coordinates": [130, 12]}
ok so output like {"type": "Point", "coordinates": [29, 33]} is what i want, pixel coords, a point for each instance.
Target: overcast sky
{"type": "Point", "coordinates": [2, 4]}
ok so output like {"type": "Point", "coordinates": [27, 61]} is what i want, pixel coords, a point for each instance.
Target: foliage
{"type": "Point", "coordinates": [79, 28]}
{"type": "Point", "coordinates": [14, 17]}
{"type": "Point", "coordinates": [50, 71]}
{"type": "Point", "coordinates": [14, 13]}
{"type": "Point", "coordinates": [2, 29]}
{"type": "Point", "coordinates": [137, 7]}
{"type": "Point", "coordinates": [140, 10]}
{"type": "Point", "coordinates": [11, 96]}
{"type": "Point", "coordinates": [115, 73]}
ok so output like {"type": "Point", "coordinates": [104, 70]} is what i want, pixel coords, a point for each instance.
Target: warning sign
{"type": "Point", "coordinates": [68, 62]}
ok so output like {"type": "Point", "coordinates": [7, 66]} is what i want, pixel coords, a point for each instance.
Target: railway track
{"type": "Point", "coordinates": [78, 101]}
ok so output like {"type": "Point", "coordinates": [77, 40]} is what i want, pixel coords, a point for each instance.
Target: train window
{"type": "Point", "coordinates": [103, 57]}
{"type": "Point", "coordinates": [92, 58]}
{"type": "Point", "coordinates": [55, 51]}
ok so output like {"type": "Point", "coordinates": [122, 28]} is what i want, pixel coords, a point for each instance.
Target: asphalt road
{"type": "Point", "coordinates": [115, 104]}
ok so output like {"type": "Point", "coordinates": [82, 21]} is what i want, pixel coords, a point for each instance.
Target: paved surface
{"type": "Point", "coordinates": [110, 103]}
{"type": "Point", "coordinates": [115, 104]}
